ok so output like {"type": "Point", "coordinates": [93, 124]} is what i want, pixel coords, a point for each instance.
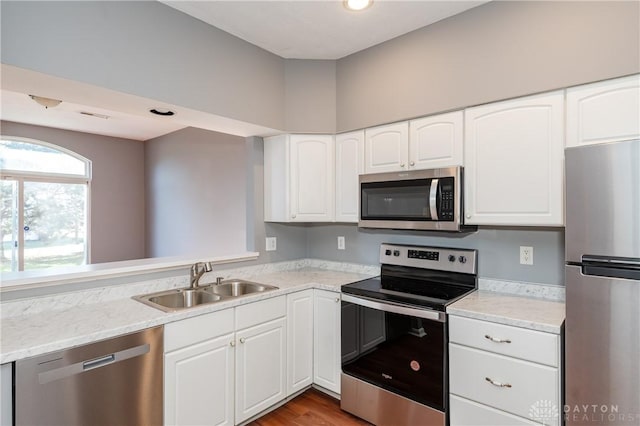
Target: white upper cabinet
{"type": "Point", "coordinates": [299, 178]}
{"type": "Point", "coordinates": [387, 148]}
{"type": "Point", "coordinates": [514, 154]}
{"type": "Point", "coordinates": [436, 141]}
{"type": "Point", "coordinates": [606, 111]}
{"type": "Point", "coordinates": [349, 164]}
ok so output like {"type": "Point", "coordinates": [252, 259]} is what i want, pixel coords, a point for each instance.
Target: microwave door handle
{"type": "Point", "coordinates": [433, 197]}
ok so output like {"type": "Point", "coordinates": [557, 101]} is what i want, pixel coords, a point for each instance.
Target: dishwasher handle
{"type": "Point", "coordinates": [91, 364]}
{"type": "Point", "coordinates": [98, 362]}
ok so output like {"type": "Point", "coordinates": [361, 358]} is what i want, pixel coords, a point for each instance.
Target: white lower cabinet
{"type": "Point", "coordinates": [495, 380]}
{"type": "Point", "coordinates": [224, 367]}
{"type": "Point", "coordinates": [261, 356]}
{"type": "Point", "coordinates": [299, 340]}
{"type": "Point", "coordinates": [199, 370]}
{"type": "Point", "coordinates": [326, 340]}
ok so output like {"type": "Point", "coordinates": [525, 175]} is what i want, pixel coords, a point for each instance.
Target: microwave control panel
{"type": "Point", "coordinates": [447, 197]}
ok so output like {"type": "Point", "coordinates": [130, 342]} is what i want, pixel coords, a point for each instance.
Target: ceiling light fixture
{"type": "Point", "coordinates": [357, 4]}
{"type": "Point", "coordinates": [163, 112]}
{"type": "Point", "coordinates": [46, 102]}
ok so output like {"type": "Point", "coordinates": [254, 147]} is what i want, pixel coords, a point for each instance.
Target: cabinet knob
{"type": "Point", "coordinates": [412, 164]}
{"type": "Point", "coordinates": [337, 299]}
{"type": "Point", "coordinates": [468, 216]}
{"type": "Point", "coordinates": [232, 343]}
{"type": "Point", "coordinates": [402, 165]}
{"type": "Point", "coordinates": [242, 340]}
{"type": "Point", "coordinates": [293, 216]}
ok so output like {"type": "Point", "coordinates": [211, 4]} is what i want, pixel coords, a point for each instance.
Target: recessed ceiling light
{"type": "Point", "coordinates": [163, 112]}
{"type": "Point", "coordinates": [357, 4]}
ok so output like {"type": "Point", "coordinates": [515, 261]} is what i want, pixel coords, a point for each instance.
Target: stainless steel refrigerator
{"type": "Point", "coordinates": [602, 274]}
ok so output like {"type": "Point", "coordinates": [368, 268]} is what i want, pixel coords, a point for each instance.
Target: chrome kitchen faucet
{"type": "Point", "coordinates": [197, 270]}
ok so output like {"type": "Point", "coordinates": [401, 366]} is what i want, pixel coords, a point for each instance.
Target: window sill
{"type": "Point", "coordinates": [50, 277]}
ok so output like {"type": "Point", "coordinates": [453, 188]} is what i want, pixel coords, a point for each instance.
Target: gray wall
{"type": "Point", "coordinates": [495, 51]}
{"type": "Point", "coordinates": [498, 248]}
{"type": "Point", "coordinates": [117, 188]}
{"type": "Point", "coordinates": [310, 96]}
{"type": "Point", "coordinates": [196, 187]}
{"type": "Point", "coordinates": [147, 49]}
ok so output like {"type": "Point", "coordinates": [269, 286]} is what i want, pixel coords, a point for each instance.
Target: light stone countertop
{"type": "Point", "coordinates": [29, 335]}
{"type": "Point", "coordinates": [37, 326]}
{"type": "Point", "coordinates": [518, 311]}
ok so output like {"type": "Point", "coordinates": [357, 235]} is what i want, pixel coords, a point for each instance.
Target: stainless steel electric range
{"type": "Point", "coordinates": [394, 334]}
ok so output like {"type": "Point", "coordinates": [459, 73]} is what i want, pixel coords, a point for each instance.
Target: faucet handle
{"type": "Point", "coordinates": [219, 280]}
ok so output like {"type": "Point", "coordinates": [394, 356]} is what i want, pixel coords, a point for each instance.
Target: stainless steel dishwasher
{"type": "Point", "coordinates": [112, 382]}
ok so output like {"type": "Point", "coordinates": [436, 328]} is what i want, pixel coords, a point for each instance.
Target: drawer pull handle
{"type": "Point", "coordinates": [493, 339]}
{"type": "Point", "coordinates": [498, 384]}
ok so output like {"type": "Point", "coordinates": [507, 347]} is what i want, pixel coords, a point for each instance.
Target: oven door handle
{"type": "Point", "coordinates": [395, 308]}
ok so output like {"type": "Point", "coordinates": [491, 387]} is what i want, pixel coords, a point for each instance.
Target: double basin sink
{"type": "Point", "coordinates": [183, 298]}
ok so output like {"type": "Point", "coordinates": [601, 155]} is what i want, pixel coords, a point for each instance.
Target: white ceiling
{"type": "Point", "coordinates": [305, 29]}
{"type": "Point", "coordinates": [290, 29]}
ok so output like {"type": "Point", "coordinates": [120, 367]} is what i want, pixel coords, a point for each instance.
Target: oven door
{"type": "Point", "coordinates": [396, 348]}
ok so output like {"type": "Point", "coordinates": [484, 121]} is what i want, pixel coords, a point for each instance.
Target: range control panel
{"type": "Point", "coordinates": [440, 258]}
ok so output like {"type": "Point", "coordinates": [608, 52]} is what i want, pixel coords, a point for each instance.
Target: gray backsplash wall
{"type": "Point", "coordinates": [498, 248]}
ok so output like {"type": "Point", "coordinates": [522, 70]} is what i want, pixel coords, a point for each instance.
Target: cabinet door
{"type": "Point", "coordinates": [386, 148]}
{"type": "Point", "coordinates": [514, 155]}
{"type": "Point", "coordinates": [299, 340]}
{"type": "Point", "coordinates": [260, 368]}
{"type": "Point", "coordinates": [349, 164]}
{"type": "Point", "coordinates": [326, 340]}
{"type": "Point", "coordinates": [312, 178]}
{"type": "Point", "coordinates": [198, 383]}
{"type": "Point", "coordinates": [436, 141]}
{"type": "Point", "coordinates": [606, 111]}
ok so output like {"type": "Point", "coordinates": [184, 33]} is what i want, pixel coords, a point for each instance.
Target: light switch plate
{"type": "Point", "coordinates": [270, 244]}
{"type": "Point", "coordinates": [340, 243]}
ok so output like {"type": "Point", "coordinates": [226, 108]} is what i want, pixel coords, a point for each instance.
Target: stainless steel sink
{"type": "Point", "coordinates": [235, 288]}
{"type": "Point", "coordinates": [183, 298]}
{"type": "Point", "coordinates": [174, 300]}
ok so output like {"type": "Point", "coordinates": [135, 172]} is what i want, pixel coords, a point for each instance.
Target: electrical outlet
{"type": "Point", "coordinates": [271, 243]}
{"type": "Point", "coordinates": [526, 255]}
{"type": "Point", "coordinates": [340, 243]}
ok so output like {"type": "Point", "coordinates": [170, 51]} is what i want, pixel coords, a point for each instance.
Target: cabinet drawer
{"type": "Point", "coordinates": [517, 342]}
{"type": "Point", "coordinates": [256, 313]}
{"type": "Point", "coordinates": [197, 329]}
{"type": "Point", "coordinates": [531, 385]}
{"type": "Point", "coordinates": [463, 412]}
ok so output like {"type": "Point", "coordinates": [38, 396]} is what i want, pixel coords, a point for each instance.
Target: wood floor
{"type": "Point", "coordinates": [310, 408]}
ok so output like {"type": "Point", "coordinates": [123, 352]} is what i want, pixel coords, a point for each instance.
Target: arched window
{"type": "Point", "coordinates": [45, 203]}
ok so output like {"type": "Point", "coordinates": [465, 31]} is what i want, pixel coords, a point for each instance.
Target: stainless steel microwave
{"type": "Point", "coordinates": [420, 199]}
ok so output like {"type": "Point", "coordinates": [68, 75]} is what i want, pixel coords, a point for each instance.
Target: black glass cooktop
{"type": "Point", "coordinates": [423, 288]}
